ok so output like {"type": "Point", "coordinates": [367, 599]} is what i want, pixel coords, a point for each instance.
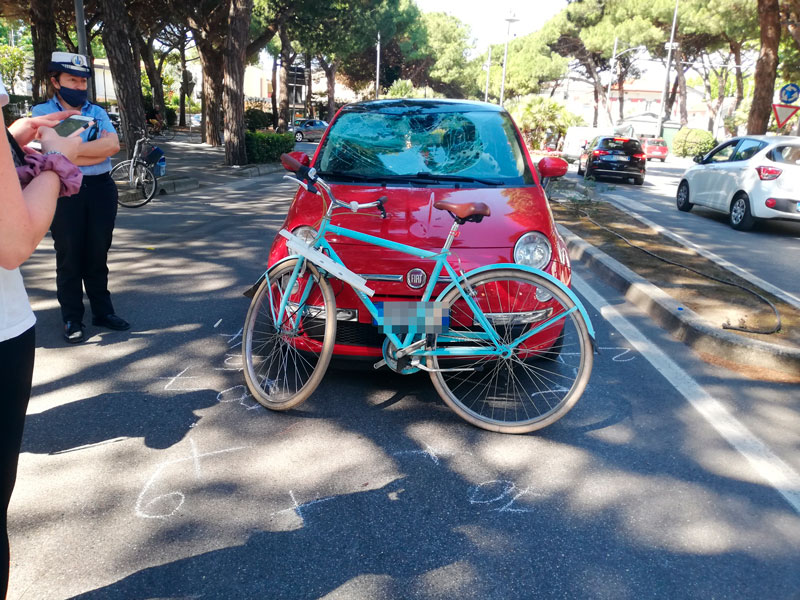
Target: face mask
{"type": "Point", "coordinates": [73, 97]}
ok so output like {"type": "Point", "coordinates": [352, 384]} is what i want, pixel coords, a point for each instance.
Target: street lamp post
{"type": "Point", "coordinates": [510, 19]}
{"type": "Point", "coordinates": [613, 63]}
{"type": "Point", "coordinates": [488, 71]}
{"type": "Point", "coordinates": [664, 92]}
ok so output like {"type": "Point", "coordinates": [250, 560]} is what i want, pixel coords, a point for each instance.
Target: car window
{"type": "Point", "coordinates": [747, 149]}
{"type": "Point", "coordinates": [625, 144]}
{"type": "Point", "coordinates": [785, 154]}
{"type": "Point", "coordinates": [480, 144]}
{"type": "Point", "coordinates": [723, 153]}
{"type": "Point", "coordinates": [656, 143]}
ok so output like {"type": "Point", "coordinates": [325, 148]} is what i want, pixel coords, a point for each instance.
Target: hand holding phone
{"type": "Point", "coordinates": [73, 125]}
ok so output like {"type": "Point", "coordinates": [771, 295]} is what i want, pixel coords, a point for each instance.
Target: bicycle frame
{"type": "Point", "coordinates": [497, 348]}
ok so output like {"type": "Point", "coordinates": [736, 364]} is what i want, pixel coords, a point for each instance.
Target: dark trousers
{"type": "Point", "coordinates": [82, 229]}
{"type": "Point", "coordinates": [16, 371]}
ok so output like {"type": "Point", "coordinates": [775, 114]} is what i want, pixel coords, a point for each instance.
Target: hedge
{"type": "Point", "coordinates": [255, 118]}
{"type": "Point", "coordinates": [691, 142]}
{"type": "Point", "coordinates": [267, 147]}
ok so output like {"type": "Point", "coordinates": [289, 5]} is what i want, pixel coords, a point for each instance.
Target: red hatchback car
{"type": "Point", "coordinates": [655, 148]}
{"type": "Point", "coordinates": [415, 153]}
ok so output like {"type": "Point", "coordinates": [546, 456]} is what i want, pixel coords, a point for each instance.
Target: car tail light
{"type": "Point", "coordinates": [600, 152]}
{"type": "Point", "coordinates": [622, 140]}
{"type": "Point", "coordinates": [771, 202]}
{"type": "Point", "coordinates": [639, 155]}
{"type": "Point", "coordinates": [768, 173]}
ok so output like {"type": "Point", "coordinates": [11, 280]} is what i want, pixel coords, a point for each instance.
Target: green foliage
{"type": "Point", "coordinates": [255, 118]}
{"type": "Point", "coordinates": [401, 88]}
{"type": "Point", "coordinates": [540, 118]}
{"type": "Point", "coordinates": [267, 147]}
{"type": "Point", "coordinates": [691, 142]}
{"type": "Point", "coordinates": [12, 65]}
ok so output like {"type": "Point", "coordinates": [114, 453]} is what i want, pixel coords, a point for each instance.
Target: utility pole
{"type": "Point", "coordinates": [666, 82]}
{"type": "Point", "coordinates": [488, 70]}
{"type": "Point", "coordinates": [83, 47]}
{"type": "Point", "coordinates": [378, 67]}
{"type": "Point", "coordinates": [511, 19]}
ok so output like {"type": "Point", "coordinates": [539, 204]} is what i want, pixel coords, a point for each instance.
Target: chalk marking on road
{"type": "Point", "coordinates": [763, 460]}
{"type": "Point", "coordinates": [429, 452]}
{"type": "Point", "coordinates": [217, 323]}
{"type": "Point", "coordinates": [141, 508]}
{"type": "Point", "coordinates": [181, 377]}
{"type": "Point", "coordinates": [507, 488]}
{"type": "Point", "coordinates": [298, 508]}
{"type": "Point", "coordinates": [230, 395]}
{"type": "Point", "coordinates": [628, 203]}
{"type": "Point", "coordinates": [86, 446]}
{"type": "Point", "coordinates": [233, 337]}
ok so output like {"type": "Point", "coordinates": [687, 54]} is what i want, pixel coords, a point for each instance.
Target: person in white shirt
{"type": "Point", "coordinates": [25, 217]}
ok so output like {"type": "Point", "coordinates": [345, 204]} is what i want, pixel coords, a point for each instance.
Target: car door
{"type": "Point", "coordinates": [733, 172]}
{"type": "Point", "coordinates": [705, 178]}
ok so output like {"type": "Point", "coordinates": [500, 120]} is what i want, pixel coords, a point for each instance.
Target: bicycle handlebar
{"type": "Point", "coordinates": [308, 178]}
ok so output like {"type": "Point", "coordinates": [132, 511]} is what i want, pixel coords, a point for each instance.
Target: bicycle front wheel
{"type": "Point", "coordinates": [167, 133]}
{"type": "Point", "coordinates": [539, 378]}
{"type": "Point", "coordinates": [136, 183]}
{"type": "Point", "coordinates": [286, 357]}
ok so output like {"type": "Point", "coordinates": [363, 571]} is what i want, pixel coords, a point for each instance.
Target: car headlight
{"type": "Point", "coordinates": [533, 250]}
{"type": "Point", "coordinates": [305, 233]}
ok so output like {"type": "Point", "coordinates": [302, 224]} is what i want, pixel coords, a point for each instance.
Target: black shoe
{"type": "Point", "coordinates": [73, 332]}
{"type": "Point", "coordinates": [112, 322]}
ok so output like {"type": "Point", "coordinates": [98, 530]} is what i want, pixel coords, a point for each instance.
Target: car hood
{"type": "Point", "coordinates": [413, 220]}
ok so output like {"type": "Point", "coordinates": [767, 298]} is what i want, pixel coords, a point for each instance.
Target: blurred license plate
{"type": "Point", "coordinates": [620, 158]}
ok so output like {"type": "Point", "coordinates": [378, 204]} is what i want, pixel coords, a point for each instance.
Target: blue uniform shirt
{"type": "Point", "coordinates": [101, 123]}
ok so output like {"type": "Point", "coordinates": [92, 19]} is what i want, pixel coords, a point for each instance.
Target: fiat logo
{"type": "Point", "coordinates": [416, 278]}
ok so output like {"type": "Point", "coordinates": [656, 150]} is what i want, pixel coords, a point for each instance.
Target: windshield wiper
{"type": "Point", "coordinates": [456, 178]}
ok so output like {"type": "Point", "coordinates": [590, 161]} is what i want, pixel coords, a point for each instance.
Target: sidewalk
{"type": "Point", "coordinates": [191, 165]}
{"type": "Point", "coordinates": [195, 165]}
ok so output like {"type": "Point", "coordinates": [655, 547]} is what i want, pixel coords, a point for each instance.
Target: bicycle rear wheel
{"type": "Point", "coordinates": [285, 361]}
{"type": "Point", "coordinates": [135, 189]}
{"type": "Point", "coordinates": [540, 379]}
{"type": "Point", "coordinates": [167, 133]}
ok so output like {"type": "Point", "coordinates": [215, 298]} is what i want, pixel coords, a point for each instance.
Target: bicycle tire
{"type": "Point", "coordinates": [284, 365]}
{"type": "Point", "coordinates": [541, 380]}
{"type": "Point", "coordinates": [144, 182]}
{"type": "Point", "coordinates": [167, 133]}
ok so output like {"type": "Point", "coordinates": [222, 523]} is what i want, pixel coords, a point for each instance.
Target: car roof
{"type": "Point", "coordinates": [772, 139]}
{"type": "Point", "coordinates": [406, 105]}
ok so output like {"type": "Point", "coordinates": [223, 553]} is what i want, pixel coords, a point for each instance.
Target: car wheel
{"type": "Point", "coordinates": [638, 180]}
{"type": "Point", "coordinates": [740, 217]}
{"type": "Point", "coordinates": [298, 137]}
{"type": "Point", "coordinates": [682, 198]}
{"type": "Point", "coordinates": [587, 173]}
{"type": "Point", "coordinates": [649, 158]}
{"type": "Point", "coordinates": [580, 171]}
{"type": "Point", "coordinates": [663, 159]}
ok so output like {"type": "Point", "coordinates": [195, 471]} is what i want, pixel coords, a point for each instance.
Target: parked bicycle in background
{"type": "Point", "coordinates": [136, 178]}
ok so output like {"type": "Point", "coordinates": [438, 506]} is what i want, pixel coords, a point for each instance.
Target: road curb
{"type": "Point", "coordinates": [755, 358]}
{"type": "Point", "coordinates": [166, 185]}
{"type": "Point", "coordinates": [256, 170]}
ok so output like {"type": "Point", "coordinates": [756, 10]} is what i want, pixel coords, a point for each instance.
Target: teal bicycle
{"type": "Point", "coordinates": [509, 348]}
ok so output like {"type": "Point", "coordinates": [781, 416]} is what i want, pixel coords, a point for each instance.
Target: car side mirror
{"type": "Point", "coordinates": [552, 166]}
{"type": "Point", "coordinates": [698, 159]}
{"type": "Point", "coordinates": [299, 159]}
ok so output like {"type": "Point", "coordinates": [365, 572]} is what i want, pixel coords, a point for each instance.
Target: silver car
{"type": "Point", "coordinates": [308, 129]}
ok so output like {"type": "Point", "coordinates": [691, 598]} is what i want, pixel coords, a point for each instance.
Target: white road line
{"type": "Point", "coordinates": [763, 460]}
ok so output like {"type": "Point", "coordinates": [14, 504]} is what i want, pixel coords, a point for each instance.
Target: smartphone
{"type": "Point", "coordinates": [3, 95]}
{"type": "Point", "coordinates": [70, 125]}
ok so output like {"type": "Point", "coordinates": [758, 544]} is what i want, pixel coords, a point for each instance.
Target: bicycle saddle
{"type": "Point", "coordinates": [466, 211]}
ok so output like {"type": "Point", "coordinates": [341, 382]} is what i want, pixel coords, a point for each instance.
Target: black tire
{"type": "Point", "coordinates": [283, 365]}
{"type": "Point", "coordinates": [167, 133]}
{"type": "Point", "coordinates": [663, 159]}
{"type": "Point", "coordinates": [739, 216]}
{"type": "Point", "coordinates": [587, 173]}
{"type": "Point", "coordinates": [298, 137]}
{"type": "Point", "coordinates": [638, 180]}
{"type": "Point", "coordinates": [137, 190]}
{"type": "Point", "coordinates": [580, 171]}
{"type": "Point", "coordinates": [682, 197]}
{"type": "Point", "coordinates": [538, 383]}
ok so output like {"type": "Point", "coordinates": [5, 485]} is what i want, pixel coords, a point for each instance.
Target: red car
{"type": "Point", "coordinates": [655, 148]}
{"type": "Point", "coordinates": [415, 153]}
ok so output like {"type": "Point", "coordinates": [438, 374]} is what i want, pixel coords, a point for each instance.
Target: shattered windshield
{"type": "Point", "coordinates": [466, 145]}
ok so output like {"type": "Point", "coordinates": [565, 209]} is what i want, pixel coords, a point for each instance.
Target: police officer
{"type": "Point", "coordinates": [83, 224]}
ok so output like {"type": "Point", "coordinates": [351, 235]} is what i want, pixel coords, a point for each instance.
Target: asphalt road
{"type": "Point", "coordinates": [766, 255]}
{"type": "Point", "coordinates": [148, 472]}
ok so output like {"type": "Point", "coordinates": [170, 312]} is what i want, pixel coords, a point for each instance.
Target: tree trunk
{"type": "Point", "coordinates": [116, 39]}
{"type": "Point", "coordinates": [43, 35]}
{"type": "Point", "coordinates": [671, 100]}
{"type": "Point", "coordinates": [148, 58]}
{"type": "Point", "coordinates": [233, 99]}
{"type": "Point", "coordinates": [681, 79]}
{"type": "Point", "coordinates": [286, 58]}
{"type": "Point", "coordinates": [309, 105]}
{"type": "Point", "coordinates": [213, 75]}
{"type": "Point", "coordinates": [330, 79]}
{"type": "Point", "coordinates": [737, 56]}
{"type": "Point", "coordinates": [621, 94]}
{"type": "Point", "coordinates": [184, 86]}
{"type": "Point", "coordinates": [766, 67]}
{"type": "Point", "coordinates": [274, 94]}
{"type": "Point", "coordinates": [596, 108]}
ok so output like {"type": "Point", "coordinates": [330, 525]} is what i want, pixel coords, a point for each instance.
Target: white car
{"type": "Point", "coordinates": [748, 177]}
